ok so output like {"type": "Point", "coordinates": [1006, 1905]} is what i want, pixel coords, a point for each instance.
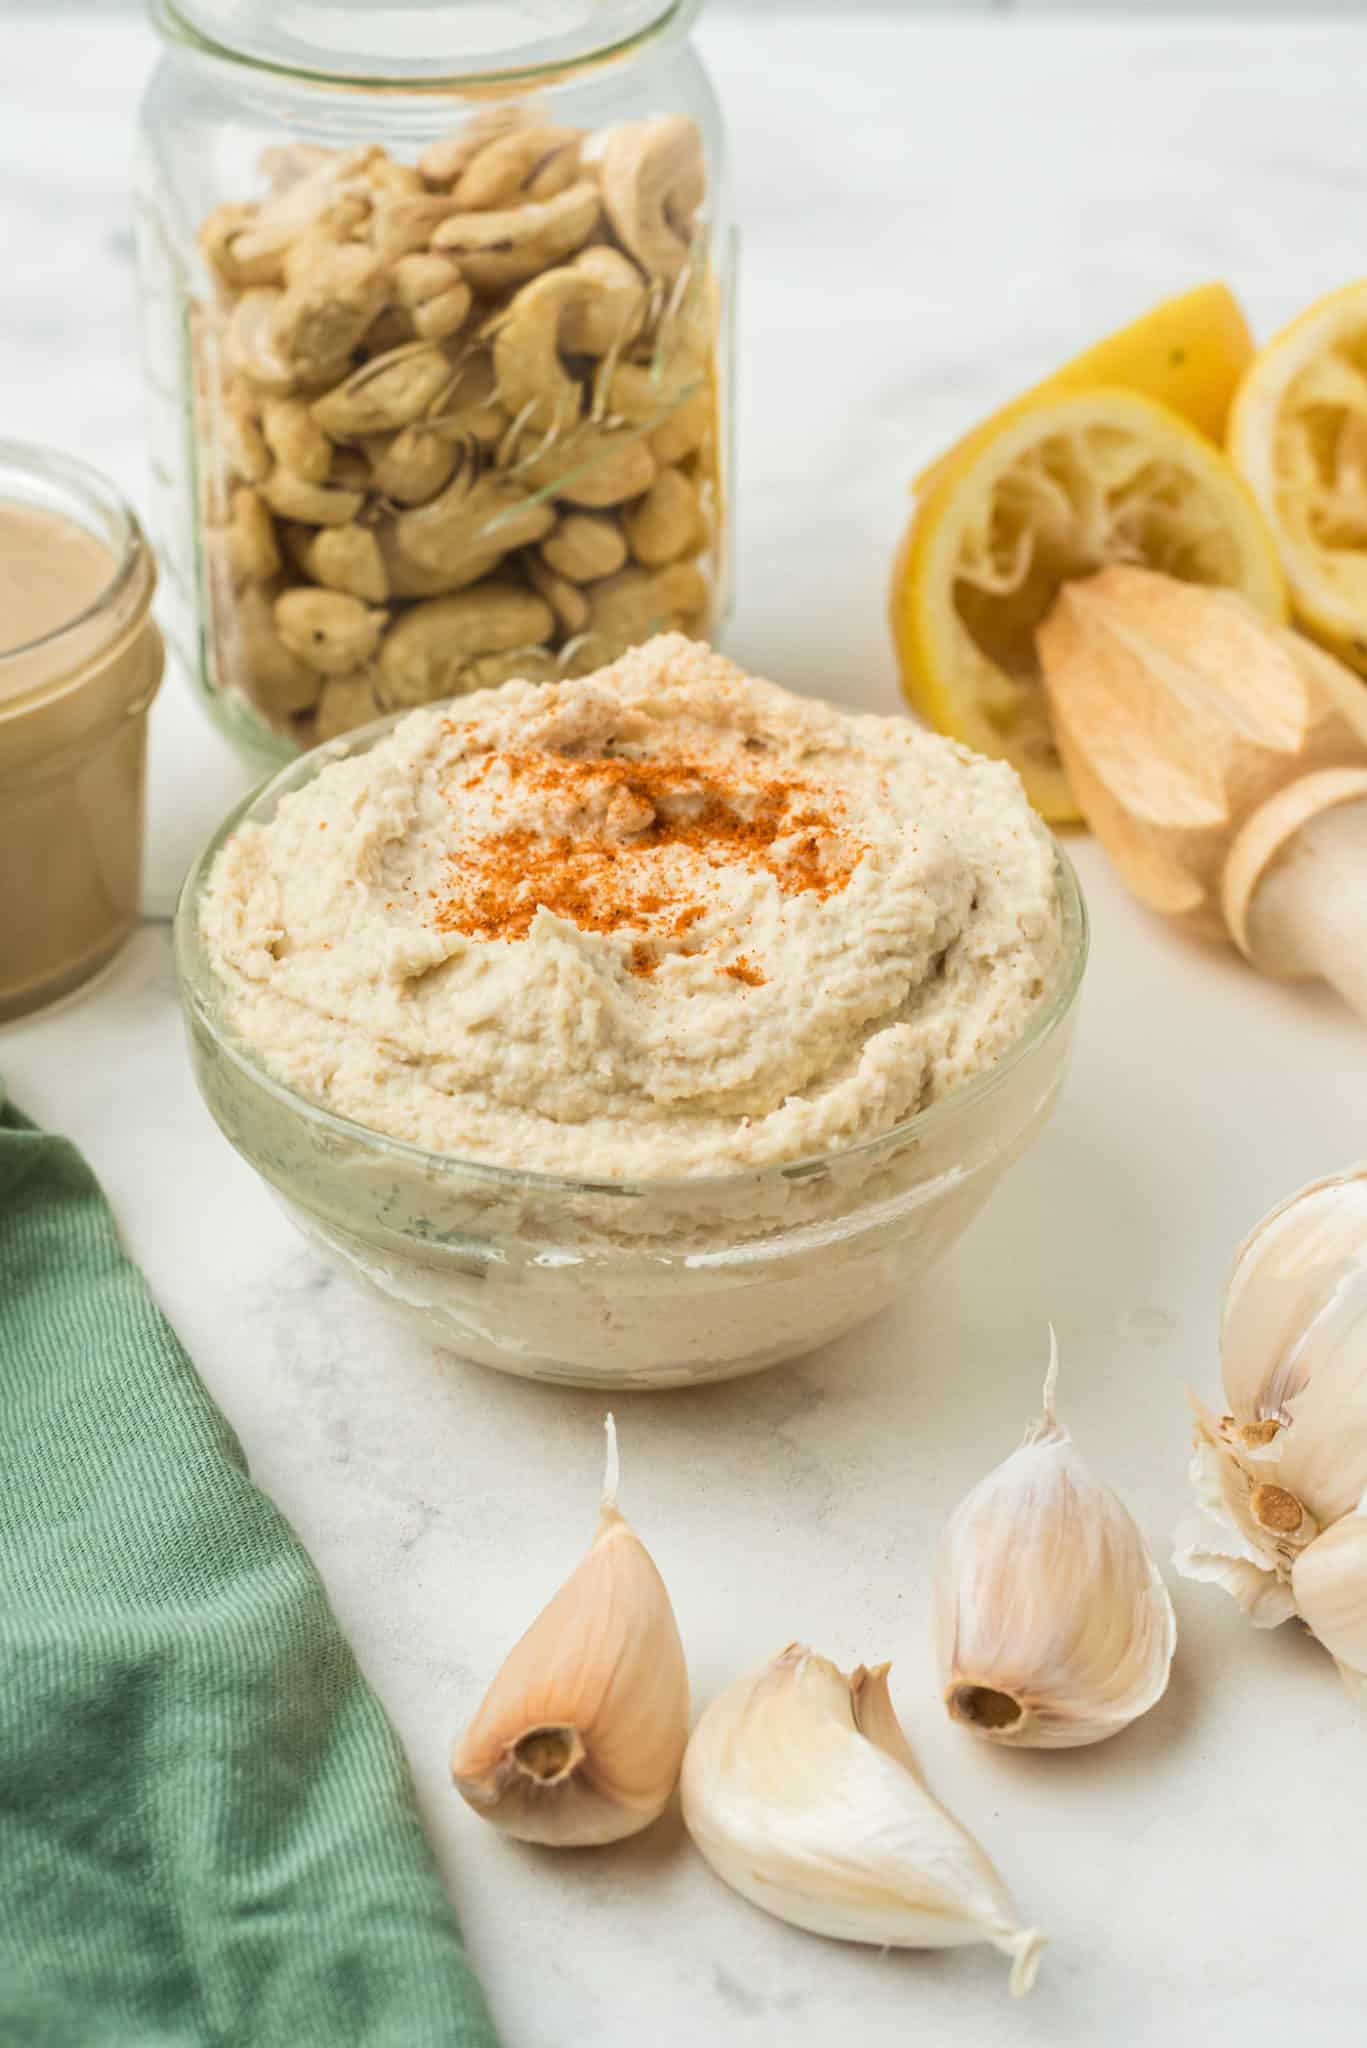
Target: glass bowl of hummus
{"type": "Point", "coordinates": [637, 1031]}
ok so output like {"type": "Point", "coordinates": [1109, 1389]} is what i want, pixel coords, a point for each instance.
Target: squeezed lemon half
{"type": "Point", "coordinates": [1054, 487]}
{"type": "Point", "coordinates": [1298, 433]}
{"type": "Point", "coordinates": [1188, 352]}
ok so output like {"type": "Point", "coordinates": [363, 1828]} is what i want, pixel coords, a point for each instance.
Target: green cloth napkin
{"type": "Point", "coordinates": [207, 1832]}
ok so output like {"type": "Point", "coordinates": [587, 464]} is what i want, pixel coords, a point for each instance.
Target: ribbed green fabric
{"type": "Point", "coordinates": [207, 1832]}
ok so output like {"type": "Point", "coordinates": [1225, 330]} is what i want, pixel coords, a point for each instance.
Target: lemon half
{"type": "Point", "coordinates": [1051, 490]}
{"type": "Point", "coordinates": [1188, 352]}
{"type": "Point", "coordinates": [1298, 433]}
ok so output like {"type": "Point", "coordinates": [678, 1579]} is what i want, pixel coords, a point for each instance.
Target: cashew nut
{"type": "Point", "coordinates": [295, 439]}
{"type": "Point", "coordinates": [249, 245]}
{"type": "Point", "coordinates": [460, 535]}
{"type": "Point", "coordinates": [582, 655]}
{"type": "Point", "coordinates": [407, 222]}
{"type": "Point", "coordinates": [259, 661]}
{"type": "Point", "coordinates": [262, 253]}
{"type": "Point", "coordinates": [685, 428]}
{"type": "Point", "coordinates": [306, 251]}
{"type": "Point", "coordinates": [584, 546]}
{"type": "Point", "coordinates": [332, 632]}
{"type": "Point", "coordinates": [566, 599]}
{"type": "Point", "coordinates": [253, 553]}
{"type": "Point", "coordinates": [343, 558]}
{"type": "Point", "coordinates": [426, 650]}
{"type": "Point", "coordinates": [588, 306]}
{"type": "Point", "coordinates": [468, 410]}
{"type": "Point", "coordinates": [217, 231]}
{"type": "Point", "coordinates": [505, 247]}
{"type": "Point", "coordinates": [389, 176]}
{"type": "Point", "coordinates": [391, 391]}
{"type": "Point", "coordinates": [320, 319]}
{"type": "Point", "coordinates": [350, 470]}
{"type": "Point", "coordinates": [527, 163]}
{"type": "Point", "coordinates": [611, 316]}
{"type": "Point", "coordinates": [533, 383]}
{"type": "Point", "coordinates": [394, 329]}
{"type": "Point", "coordinates": [241, 438]}
{"type": "Point", "coordinates": [411, 466]}
{"type": "Point", "coordinates": [665, 522]}
{"type": "Point", "coordinates": [293, 497]}
{"type": "Point", "coordinates": [646, 394]}
{"type": "Point", "coordinates": [345, 703]}
{"type": "Point", "coordinates": [654, 179]}
{"type": "Point", "coordinates": [629, 607]}
{"type": "Point", "coordinates": [443, 161]}
{"type": "Point", "coordinates": [524, 664]}
{"type": "Point", "coordinates": [592, 466]}
{"type": "Point", "coordinates": [252, 347]}
{"type": "Point", "coordinates": [333, 196]}
{"type": "Point", "coordinates": [432, 290]}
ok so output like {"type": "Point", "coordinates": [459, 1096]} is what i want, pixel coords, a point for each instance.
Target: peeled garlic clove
{"type": "Point", "coordinates": [1329, 1583]}
{"type": "Point", "coordinates": [580, 1737]}
{"type": "Point", "coordinates": [801, 1792]}
{"type": "Point", "coordinates": [1053, 1627]}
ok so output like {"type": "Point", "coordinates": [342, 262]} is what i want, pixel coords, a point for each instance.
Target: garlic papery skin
{"type": "Point", "coordinates": [580, 1737]}
{"type": "Point", "coordinates": [1329, 1584]}
{"type": "Point", "coordinates": [800, 1790]}
{"type": "Point", "coordinates": [1287, 1460]}
{"type": "Point", "coordinates": [1053, 1627]}
{"type": "Point", "coordinates": [1251, 1528]}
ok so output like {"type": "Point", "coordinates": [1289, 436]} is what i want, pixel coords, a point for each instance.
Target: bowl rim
{"type": "Point", "coordinates": [197, 981]}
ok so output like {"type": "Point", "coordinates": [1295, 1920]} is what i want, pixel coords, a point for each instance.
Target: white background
{"type": "Point", "coordinates": [934, 212]}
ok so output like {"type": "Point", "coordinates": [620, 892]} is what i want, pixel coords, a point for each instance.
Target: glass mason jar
{"type": "Point", "coordinates": [80, 663]}
{"type": "Point", "coordinates": [436, 304]}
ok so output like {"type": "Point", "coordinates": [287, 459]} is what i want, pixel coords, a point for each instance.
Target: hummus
{"type": "Point", "coordinates": [661, 921]}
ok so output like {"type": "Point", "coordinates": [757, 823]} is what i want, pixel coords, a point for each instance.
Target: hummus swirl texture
{"type": "Point", "coordinates": [663, 920]}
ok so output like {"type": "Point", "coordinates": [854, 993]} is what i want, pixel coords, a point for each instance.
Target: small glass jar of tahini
{"type": "Point", "coordinates": [80, 662]}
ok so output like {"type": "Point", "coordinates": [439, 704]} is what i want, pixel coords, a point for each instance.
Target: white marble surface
{"type": "Point", "coordinates": [933, 213]}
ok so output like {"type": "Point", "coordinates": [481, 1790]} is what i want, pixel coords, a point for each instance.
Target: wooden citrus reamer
{"type": "Point", "coordinates": [1222, 762]}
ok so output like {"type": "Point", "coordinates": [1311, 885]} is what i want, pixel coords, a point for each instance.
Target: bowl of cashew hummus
{"type": "Point", "coordinates": [638, 1029]}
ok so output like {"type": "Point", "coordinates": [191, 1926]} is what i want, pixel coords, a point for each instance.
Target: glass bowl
{"type": "Point", "coordinates": [660, 1283]}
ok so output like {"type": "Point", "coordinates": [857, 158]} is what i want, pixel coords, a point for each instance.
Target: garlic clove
{"type": "Point", "coordinates": [800, 1790]}
{"type": "Point", "coordinates": [1329, 1582]}
{"type": "Point", "coordinates": [1293, 1344]}
{"type": "Point", "coordinates": [580, 1737]}
{"type": "Point", "coordinates": [1053, 1626]}
{"type": "Point", "coordinates": [1278, 1473]}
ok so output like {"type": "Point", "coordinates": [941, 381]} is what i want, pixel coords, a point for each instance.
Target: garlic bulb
{"type": "Point", "coordinates": [580, 1737]}
{"type": "Point", "coordinates": [800, 1790]}
{"type": "Point", "coordinates": [1329, 1584]}
{"type": "Point", "coordinates": [1052, 1625]}
{"type": "Point", "coordinates": [1280, 1472]}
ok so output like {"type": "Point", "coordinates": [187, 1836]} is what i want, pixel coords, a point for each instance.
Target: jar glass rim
{"type": "Point", "coordinates": [450, 53]}
{"type": "Point", "coordinates": [62, 483]}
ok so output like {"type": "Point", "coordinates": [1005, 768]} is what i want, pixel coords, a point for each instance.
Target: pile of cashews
{"type": "Point", "coordinates": [456, 421]}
